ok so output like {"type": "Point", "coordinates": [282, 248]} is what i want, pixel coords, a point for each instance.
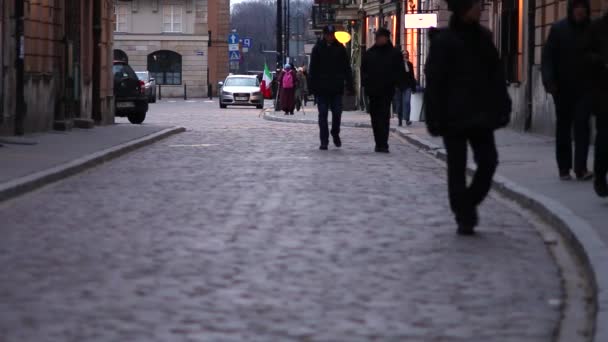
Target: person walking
{"type": "Point", "coordinates": [406, 94]}
{"type": "Point", "coordinates": [305, 88]}
{"type": "Point", "coordinates": [466, 100]}
{"type": "Point", "coordinates": [382, 70]}
{"type": "Point", "coordinates": [330, 72]}
{"type": "Point", "coordinates": [563, 76]}
{"type": "Point", "coordinates": [300, 89]}
{"type": "Point", "coordinates": [596, 54]}
{"type": "Point", "coordinates": [288, 83]}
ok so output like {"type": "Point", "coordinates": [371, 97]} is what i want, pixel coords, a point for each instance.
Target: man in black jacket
{"type": "Point", "coordinates": [329, 73]}
{"type": "Point", "coordinates": [564, 78]}
{"type": "Point", "coordinates": [466, 99]}
{"type": "Point", "coordinates": [596, 54]}
{"type": "Point", "coordinates": [382, 70]}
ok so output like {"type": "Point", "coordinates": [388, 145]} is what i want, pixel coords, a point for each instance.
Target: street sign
{"type": "Point", "coordinates": [233, 38]}
{"type": "Point", "coordinates": [245, 50]}
{"type": "Point", "coordinates": [235, 56]}
{"type": "Point", "coordinates": [233, 47]}
{"type": "Point", "coordinates": [247, 42]}
{"type": "Point", "coordinates": [200, 53]}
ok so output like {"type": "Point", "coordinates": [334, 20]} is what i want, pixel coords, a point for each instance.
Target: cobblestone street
{"type": "Point", "coordinates": [240, 229]}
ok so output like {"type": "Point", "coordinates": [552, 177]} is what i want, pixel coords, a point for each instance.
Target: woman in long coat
{"type": "Point", "coordinates": [287, 85]}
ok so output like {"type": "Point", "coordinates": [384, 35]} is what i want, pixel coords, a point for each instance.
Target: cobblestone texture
{"type": "Point", "coordinates": [241, 230]}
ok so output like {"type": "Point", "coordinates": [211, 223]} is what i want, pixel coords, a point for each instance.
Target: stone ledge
{"type": "Point", "coordinates": [34, 181]}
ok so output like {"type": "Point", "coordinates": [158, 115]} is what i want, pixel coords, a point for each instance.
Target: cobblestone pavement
{"type": "Point", "coordinates": [241, 230]}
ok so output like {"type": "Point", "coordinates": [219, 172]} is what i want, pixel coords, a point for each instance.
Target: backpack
{"type": "Point", "coordinates": [288, 82]}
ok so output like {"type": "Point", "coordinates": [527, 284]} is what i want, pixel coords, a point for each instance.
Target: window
{"type": "Point", "coordinates": [166, 67]}
{"type": "Point", "coordinates": [120, 55]}
{"type": "Point", "coordinates": [121, 13]}
{"type": "Point", "coordinates": [242, 82]}
{"type": "Point", "coordinates": [172, 18]}
{"type": "Point", "coordinates": [509, 39]}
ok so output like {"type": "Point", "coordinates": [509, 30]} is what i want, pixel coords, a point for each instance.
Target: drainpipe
{"type": "Point", "coordinates": [19, 67]}
{"type": "Point", "coordinates": [531, 58]}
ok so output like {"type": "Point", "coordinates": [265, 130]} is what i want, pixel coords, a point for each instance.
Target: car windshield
{"type": "Point", "coordinates": [123, 71]}
{"type": "Point", "coordinates": [242, 82]}
{"type": "Point", "coordinates": [142, 75]}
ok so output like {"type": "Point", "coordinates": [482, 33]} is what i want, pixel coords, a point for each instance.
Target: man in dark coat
{"type": "Point", "coordinates": [329, 73]}
{"type": "Point", "coordinates": [596, 54]}
{"type": "Point", "coordinates": [466, 100]}
{"type": "Point", "coordinates": [382, 70]}
{"type": "Point", "coordinates": [564, 78]}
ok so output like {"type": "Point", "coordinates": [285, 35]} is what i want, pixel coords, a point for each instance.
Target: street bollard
{"type": "Point", "coordinates": [160, 92]}
{"type": "Point", "coordinates": [210, 91]}
{"type": "Point", "coordinates": [185, 92]}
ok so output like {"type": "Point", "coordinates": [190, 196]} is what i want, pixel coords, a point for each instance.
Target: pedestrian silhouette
{"type": "Point", "coordinates": [382, 70]}
{"type": "Point", "coordinates": [466, 100]}
{"type": "Point", "coordinates": [564, 78]}
{"type": "Point", "coordinates": [596, 54]}
{"type": "Point", "coordinates": [329, 73]}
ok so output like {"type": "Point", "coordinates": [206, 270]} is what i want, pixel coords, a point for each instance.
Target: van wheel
{"type": "Point", "coordinates": [137, 118]}
{"type": "Point", "coordinates": [223, 106]}
{"type": "Point", "coordinates": [260, 107]}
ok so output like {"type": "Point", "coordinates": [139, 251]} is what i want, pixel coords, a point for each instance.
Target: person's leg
{"type": "Point", "coordinates": [386, 121]}
{"type": "Point", "coordinates": [323, 106]}
{"type": "Point", "coordinates": [463, 209]}
{"type": "Point", "coordinates": [374, 109]}
{"type": "Point", "coordinates": [563, 135]}
{"type": "Point", "coordinates": [582, 138]}
{"type": "Point", "coordinates": [407, 105]}
{"type": "Point", "coordinates": [486, 158]}
{"type": "Point", "coordinates": [336, 118]}
{"type": "Point", "coordinates": [398, 105]}
{"type": "Point", "coordinates": [600, 166]}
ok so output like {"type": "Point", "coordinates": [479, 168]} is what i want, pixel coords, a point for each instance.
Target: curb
{"type": "Point", "coordinates": [270, 117]}
{"type": "Point", "coordinates": [578, 233]}
{"type": "Point", "coordinates": [39, 179]}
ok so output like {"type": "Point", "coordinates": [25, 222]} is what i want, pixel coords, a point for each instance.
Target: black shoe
{"type": "Point", "coordinates": [400, 124]}
{"type": "Point", "coordinates": [323, 147]}
{"type": "Point", "coordinates": [585, 176]}
{"type": "Point", "coordinates": [408, 122]}
{"type": "Point", "coordinates": [600, 186]}
{"type": "Point", "coordinates": [337, 140]}
{"type": "Point", "coordinates": [381, 149]}
{"type": "Point", "coordinates": [565, 176]}
{"type": "Point", "coordinates": [466, 230]}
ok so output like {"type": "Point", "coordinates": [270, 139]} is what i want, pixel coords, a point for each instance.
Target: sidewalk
{"type": "Point", "coordinates": [38, 159]}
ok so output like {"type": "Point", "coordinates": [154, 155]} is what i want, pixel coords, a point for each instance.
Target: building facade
{"type": "Point", "coordinates": [182, 43]}
{"type": "Point", "coordinates": [520, 29]}
{"type": "Point", "coordinates": [60, 76]}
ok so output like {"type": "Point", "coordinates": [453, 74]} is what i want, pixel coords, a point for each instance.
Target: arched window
{"type": "Point", "coordinates": [120, 55]}
{"type": "Point", "coordinates": [165, 66]}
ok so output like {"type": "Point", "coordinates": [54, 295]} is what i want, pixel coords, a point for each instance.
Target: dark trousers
{"type": "Point", "coordinates": [380, 111]}
{"type": "Point", "coordinates": [600, 167]}
{"type": "Point", "coordinates": [573, 114]}
{"type": "Point", "coordinates": [325, 103]}
{"type": "Point", "coordinates": [464, 200]}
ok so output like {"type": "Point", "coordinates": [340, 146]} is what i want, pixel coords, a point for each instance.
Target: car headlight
{"type": "Point", "coordinates": [257, 93]}
{"type": "Point", "coordinates": [226, 93]}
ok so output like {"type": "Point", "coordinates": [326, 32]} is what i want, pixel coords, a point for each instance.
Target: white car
{"type": "Point", "coordinates": [241, 90]}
